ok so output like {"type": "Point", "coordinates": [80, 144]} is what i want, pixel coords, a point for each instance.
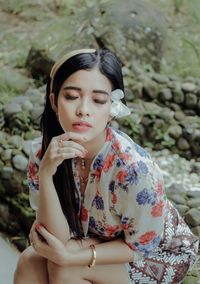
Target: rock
{"type": "Point", "coordinates": [183, 144]}
{"type": "Point", "coordinates": [166, 114]}
{"type": "Point", "coordinates": [196, 231]}
{"type": "Point", "coordinates": [16, 141]}
{"type": "Point", "coordinates": [193, 193]}
{"type": "Point", "coordinates": [174, 84]}
{"type": "Point", "coordinates": [4, 213]}
{"type": "Point", "coordinates": [190, 100]}
{"type": "Point", "coordinates": [174, 78]}
{"type": "Point", "coordinates": [129, 95]}
{"type": "Point", "coordinates": [39, 63]}
{"type": "Point", "coordinates": [35, 97]}
{"type": "Point", "coordinates": [137, 91]}
{"type": "Point", "coordinates": [32, 134]}
{"type": "Point", "coordinates": [6, 155]}
{"type": "Point", "coordinates": [191, 278]}
{"type": "Point", "coordinates": [178, 199]}
{"type": "Point", "coordinates": [182, 209]}
{"type": "Point", "coordinates": [190, 79]}
{"type": "Point", "coordinates": [165, 95]}
{"type": "Point", "coordinates": [150, 89]}
{"type": "Point", "coordinates": [26, 147]}
{"type": "Point", "coordinates": [138, 35]}
{"type": "Point", "coordinates": [138, 27]}
{"type": "Point", "coordinates": [179, 115]}
{"type": "Point", "coordinates": [20, 162]}
{"type": "Point", "coordinates": [175, 131]}
{"type": "Point", "coordinates": [114, 124]}
{"type": "Point", "coordinates": [7, 172]}
{"type": "Point", "coordinates": [19, 100]}
{"type": "Point", "coordinates": [189, 134]}
{"type": "Point", "coordinates": [173, 106]}
{"type": "Point", "coordinates": [13, 81]}
{"type": "Point", "coordinates": [161, 79]}
{"type": "Point", "coordinates": [36, 113]}
{"type": "Point", "coordinates": [188, 87]}
{"type": "Point", "coordinates": [190, 112]}
{"type": "Point", "coordinates": [12, 108]}
{"type": "Point", "coordinates": [178, 96]}
{"type": "Point", "coordinates": [27, 106]}
{"type": "Point", "coordinates": [198, 105]}
{"type": "Point", "coordinates": [194, 202]}
{"type": "Point", "coordinates": [193, 217]}
{"type": "Point", "coordinates": [195, 167]}
{"type": "Point", "coordinates": [175, 188]}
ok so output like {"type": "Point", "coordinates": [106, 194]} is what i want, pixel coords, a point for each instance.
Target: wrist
{"type": "Point", "coordinates": [42, 173]}
{"type": "Point", "coordinates": [82, 257]}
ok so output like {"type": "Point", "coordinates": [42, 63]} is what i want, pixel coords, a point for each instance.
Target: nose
{"type": "Point", "coordinates": [83, 108]}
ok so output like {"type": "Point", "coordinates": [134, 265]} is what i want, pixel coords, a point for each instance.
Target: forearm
{"type": "Point", "coordinates": [111, 252]}
{"type": "Point", "coordinates": [50, 213]}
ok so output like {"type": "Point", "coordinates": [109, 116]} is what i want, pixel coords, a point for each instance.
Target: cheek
{"type": "Point", "coordinates": [63, 109]}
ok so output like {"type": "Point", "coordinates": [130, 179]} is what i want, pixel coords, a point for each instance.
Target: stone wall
{"type": "Point", "coordinates": [165, 113]}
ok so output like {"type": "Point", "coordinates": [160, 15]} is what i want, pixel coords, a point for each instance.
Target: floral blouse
{"type": "Point", "coordinates": [124, 195]}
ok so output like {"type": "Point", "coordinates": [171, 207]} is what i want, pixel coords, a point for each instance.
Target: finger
{"type": "Point", "coordinates": [69, 151]}
{"type": "Point", "coordinates": [72, 144]}
{"type": "Point", "coordinates": [61, 155]}
{"type": "Point", "coordinates": [72, 136]}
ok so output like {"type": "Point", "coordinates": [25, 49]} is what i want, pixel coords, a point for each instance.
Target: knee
{"type": "Point", "coordinates": [24, 260]}
{"type": "Point", "coordinates": [58, 274]}
{"type": "Point", "coordinates": [28, 261]}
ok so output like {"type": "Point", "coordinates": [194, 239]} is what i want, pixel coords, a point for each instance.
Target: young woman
{"type": "Point", "coordinates": [102, 214]}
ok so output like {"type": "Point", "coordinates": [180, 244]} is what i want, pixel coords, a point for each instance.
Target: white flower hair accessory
{"type": "Point", "coordinates": [118, 109]}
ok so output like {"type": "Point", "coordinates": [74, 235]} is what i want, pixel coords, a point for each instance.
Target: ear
{"type": "Point", "coordinates": [53, 102]}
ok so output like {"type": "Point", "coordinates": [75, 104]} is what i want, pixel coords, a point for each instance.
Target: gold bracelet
{"type": "Point", "coordinates": [94, 256]}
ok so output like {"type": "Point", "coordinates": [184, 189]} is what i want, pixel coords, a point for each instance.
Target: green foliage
{"type": "Point", "coordinates": [177, 5]}
{"type": "Point", "coordinates": [131, 128]}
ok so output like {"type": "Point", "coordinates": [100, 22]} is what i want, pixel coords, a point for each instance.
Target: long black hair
{"type": "Point", "coordinates": [110, 66]}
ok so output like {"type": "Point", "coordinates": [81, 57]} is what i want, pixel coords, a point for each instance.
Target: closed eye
{"type": "Point", "coordinates": [100, 101]}
{"type": "Point", "coordinates": [70, 97]}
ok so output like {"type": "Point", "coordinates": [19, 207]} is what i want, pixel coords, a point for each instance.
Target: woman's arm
{"type": "Point", "coordinates": [78, 253]}
{"type": "Point", "coordinates": [50, 213]}
{"type": "Point", "coordinates": [111, 252]}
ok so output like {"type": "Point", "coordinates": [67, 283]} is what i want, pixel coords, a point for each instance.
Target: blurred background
{"type": "Point", "coordinates": [158, 42]}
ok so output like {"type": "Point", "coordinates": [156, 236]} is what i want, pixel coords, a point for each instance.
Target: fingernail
{"type": "Point", "coordinates": [38, 226]}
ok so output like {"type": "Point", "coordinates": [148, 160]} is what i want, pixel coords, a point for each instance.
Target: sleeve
{"type": "Point", "coordinates": [32, 172]}
{"type": "Point", "coordinates": [143, 204]}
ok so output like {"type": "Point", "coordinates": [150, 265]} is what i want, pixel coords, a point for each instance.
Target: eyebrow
{"type": "Point", "coordinates": [79, 89]}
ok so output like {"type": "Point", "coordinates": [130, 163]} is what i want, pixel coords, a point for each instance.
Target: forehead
{"type": "Point", "coordinates": [88, 80]}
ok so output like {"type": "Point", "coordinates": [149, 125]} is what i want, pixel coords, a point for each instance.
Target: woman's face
{"type": "Point", "coordinates": [84, 103]}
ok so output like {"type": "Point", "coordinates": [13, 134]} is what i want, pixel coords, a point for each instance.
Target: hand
{"type": "Point", "coordinates": [48, 246]}
{"type": "Point", "coordinates": [60, 148]}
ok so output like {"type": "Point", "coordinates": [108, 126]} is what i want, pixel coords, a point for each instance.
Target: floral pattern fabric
{"type": "Point", "coordinates": [124, 196]}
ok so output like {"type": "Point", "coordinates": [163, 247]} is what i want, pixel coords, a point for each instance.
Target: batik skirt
{"type": "Point", "coordinates": [170, 262]}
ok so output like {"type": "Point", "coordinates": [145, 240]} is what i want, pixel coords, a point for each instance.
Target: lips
{"type": "Point", "coordinates": [82, 124]}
